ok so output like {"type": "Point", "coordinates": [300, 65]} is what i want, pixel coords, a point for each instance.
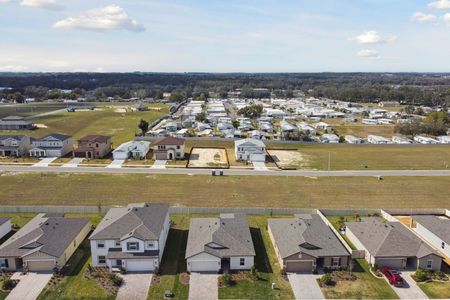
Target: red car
{"type": "Point", "coordinates": [393, 276]}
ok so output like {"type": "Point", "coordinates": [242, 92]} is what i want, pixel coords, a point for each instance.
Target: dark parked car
{"type": "Point", "coordinates": [393, 276]}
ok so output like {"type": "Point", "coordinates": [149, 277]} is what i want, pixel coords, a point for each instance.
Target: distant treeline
{"type": "Point", "coordinates": [408, 88]}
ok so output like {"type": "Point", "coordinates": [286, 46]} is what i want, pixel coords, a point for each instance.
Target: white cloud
{"type": "Point", "coordinates": [440, 4]}
{"type": "Point", "coordinates": [370, 54]}
{"type": "Point", "coordinates": [421, 17]}
{"type": "Point", "coordinates": [446, 18]}
{"type": "Point", "coordinates": [44, 4]}
{"type": "Point", "coordinates": [112, 17]}
{"type": "Point", "coordinates": [12, 68]}
{"type": "Point", "coordinates": [372, 37]}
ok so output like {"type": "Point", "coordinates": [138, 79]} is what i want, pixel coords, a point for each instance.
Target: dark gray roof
{"type": "Point", "coordinates": [47, 235]}
{"type": "Point", "coordinates": [143, 221]}
{"type": "Point", "coordinates": [388, 239]}
{"type": "Point", "coordinates": [307, 234]}
{"type": "Point", "coordinates": [3, 220]}
{"type": "Point", "coordinates": [439, 225]}
{"type": "Point", "coordinates": [16, 137]}
{"type": "Point", "coordinates": [226, 236]}
{"type": "Point", "coordinates": [58, 136]}
{"type": "Point", "coordinates": [116, 253]}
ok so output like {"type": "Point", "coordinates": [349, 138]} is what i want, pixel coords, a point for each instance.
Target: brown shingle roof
{"type": "Point", "coordinates": [170, 141]}
{"type": "Point", "coordinates": [94, 138]}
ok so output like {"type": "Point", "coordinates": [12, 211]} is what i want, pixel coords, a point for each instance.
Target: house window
{"type": "Point", "coordinates": [429, 264]}
{"type": "Point", "coordinates": [335, 262]}
{"type": "Point", "coordinates": [242, 261]}
{"type": "Point", "coordinates": [133, 246]}
{"type": "Point", "coordinates": [101, 259]}
{"type": "Point", "coordinates": [151, 244]}
{"type": "Point", "coordinates": [4, 263]}
{"type": "Point", "coordinates": [117, 243]}
{"type": "Point", "coordinates": [100, 244]}
{"type": "Point", "coordinates": [119, 262]}
{"type": "Point", "coordinates": [178, 147]}
{"type": "Point", "coordinates": [75, 243]}
{"type": "Point", "coordinates": [443, 245]}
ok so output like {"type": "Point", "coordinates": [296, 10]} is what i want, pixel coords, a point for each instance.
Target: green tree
{"type": "Point", "coordinates": [201, 117]}
{"type": "Point", "coordinates": [143, 126]}
{"type": "Point", "coordinates": [252, 111]}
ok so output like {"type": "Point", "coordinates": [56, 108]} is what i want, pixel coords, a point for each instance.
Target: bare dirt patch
{"type": "Point", "coordinates": [288, 159]}
{"type": "Point", "coordinates": [208, 158]}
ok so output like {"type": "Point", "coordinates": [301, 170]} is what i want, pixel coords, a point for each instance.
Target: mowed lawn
{"type": "Point", "coordinates": [227, 191]}
{"type": "Point", "coordinates": [436, 290]}
{"type": "Point", "coordinates": [106, 121]}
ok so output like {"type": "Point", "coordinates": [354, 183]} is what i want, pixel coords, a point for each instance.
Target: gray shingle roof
{"type": "Point", "coordinates": [228, 235]}
{"type": "Point", "coordinates": [143, 221]}
{"type": "Point", "coordinates": [57, 136]}
{"type": "Point", "coordinates": [388, 239]}
{"type": "Point", "coordinates": [249, 142]}
{"type": "Point", "coordinates": [15, 137]}
{"type": "Point", "coordinates": [440, 226]}
{"type": "Point", "coordinates": [307, 234]}
{"type": "Point", "coordinates": [48, 235]}
{"type": "Point", "coordinates": [3, 220]}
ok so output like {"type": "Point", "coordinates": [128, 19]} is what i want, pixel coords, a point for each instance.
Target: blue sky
{"type": "Point", "coordinates": [225, 36]}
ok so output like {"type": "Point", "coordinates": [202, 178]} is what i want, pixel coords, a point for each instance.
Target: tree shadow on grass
{"type": "Point", "coordinates": [262, 262]}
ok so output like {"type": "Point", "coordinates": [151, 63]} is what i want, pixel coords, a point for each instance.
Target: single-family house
{"type": "Point", "coordinates": [322, 126]}
{"type": "Point", "coordinates": [389, 104]}
{"type": "Point", "coordinates": [5, 226]}
{"type": "Point", "coordinates": [169, 148]}
{"type": "Point", "coordinates": [93, 147]}
{"type": "Point", "coordinates": [435, 230]}
{"type": "Point", "coordinates": [305, 243]}
{"type": "Point", "coordinates": [15, 123]}
{"type": "Point", "coordinates": [52, 145]}
{"type": "Point", "coordinates": [377, 140]}
{"type": "Point", "coordinates": [44, 244]}
{"type": "Point", "coordinates": [132, 149]}
{"type": "Point", "coordinates": [397, 139]}
{"type": "Point", "coordinates": [391, 244]}
{"type": "Point", "coordinates": [14, 145]}
{"type": "Point", "coordinates": [223, 243]}
{"type": "Point", "coordinates": [444, 139]}
{"type": "Point", "coordinates": [370, 121]}
{"type": "Point", "coordinates": [425, 140]}
{"type": "Point", "coordinates": [351, 139]}
{"type": "Point", "coordinates": [132, 238]}
{"type": "Point", "coordinates": [250, 150]}
{"type": "Point", "coordinates": [329, 138]}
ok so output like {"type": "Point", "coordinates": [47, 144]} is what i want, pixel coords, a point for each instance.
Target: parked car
{"type": "Point", "coordinates": [393, 276]}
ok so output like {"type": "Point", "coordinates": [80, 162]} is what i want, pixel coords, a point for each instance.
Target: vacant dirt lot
{"type": "Point", "coordinates": [208, 158]}
{"type": "Point", "coordinates": [288, 159]}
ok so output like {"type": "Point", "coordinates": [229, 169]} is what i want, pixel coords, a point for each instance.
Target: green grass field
{"type": "Point", "coordinates": [436, 290]}
{"type": "Point", "coordinates": [105, 121]}
{"type": "Point", "coordinates": [227, 191]}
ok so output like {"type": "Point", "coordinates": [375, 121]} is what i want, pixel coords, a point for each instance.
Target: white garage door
{"type": "Point", "coordinates": [258, 157]}
{"type": "Point", "coordinates": [203, 266]}
{"type": "Point", "coordinates": [40, 265]}
{"type": "Point", "coordinates": [140, 265]}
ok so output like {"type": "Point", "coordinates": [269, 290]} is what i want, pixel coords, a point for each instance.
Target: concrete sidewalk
{"type": "Point", "coordinates": [305, 286]}
{"type": "Point", "coordinates": [135, 286]}
{"type": "Point", "coordinates": [30, 285]}
{"type": "Point", "coordinates": [203, 286]}
{"type": "Point", "coordinates": [45, 162]}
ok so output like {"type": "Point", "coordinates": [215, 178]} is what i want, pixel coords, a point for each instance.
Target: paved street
{"type": "Point", "coordinates": [203, 286]}
{"type": "Point", "coordinates": [305, 286]}
{"type": "Point", "coordinates": [135, 286]}
{"type": "Point", "coordinates": [30, 285]}
{"type": "Point", "coordinates": [235, 172]}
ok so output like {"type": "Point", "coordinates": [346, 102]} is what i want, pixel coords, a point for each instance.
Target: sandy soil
{"type": "Point", "coordinates": [208, 157]}
{"type": "Point", "coordinates": [287, 158]}
{"type": "Point", "coordinates": [40, 125]}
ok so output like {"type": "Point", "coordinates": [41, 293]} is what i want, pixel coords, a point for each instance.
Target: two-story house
{"type": "Point", "coordinates": [52, 145]}
{"type": "Point", "coordinates": [93, 147]}
{"type": "Point", "coordinates": [250, 150]}
{"type": "Point", "coordinates": [131, 238]}
{"type": "Point", "coordinates": [14, 145]}
{"type": "Point", "coordinates": [169, 148]}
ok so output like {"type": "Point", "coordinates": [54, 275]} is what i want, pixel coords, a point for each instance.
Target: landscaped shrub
{"type": "Point", "coordinates": [283, 272]}
{"type": "Point", "coordinates": [9, 284]}
{"type": "Point", "coordinates": [420, 275]}
{"type": "Point", "coordinates": [157, 271]}
{"type": "Point", "coordinates": [326, 279]}
{"type": "Point", "coordinates": [254, 273]}
{"type": "Point", "coordinates": [115, 279]}
{"type": "Point", "coordinates": [439, 275]}
{"type": "Point", "coordinates": [225, 279]}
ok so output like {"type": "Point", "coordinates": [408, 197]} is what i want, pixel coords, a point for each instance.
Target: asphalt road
{"type": "Point", "coordinates": [235, 172]}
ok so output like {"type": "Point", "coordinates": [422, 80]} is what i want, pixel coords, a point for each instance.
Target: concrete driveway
{"type": "Point", "coordinates": [29, 286]}
{"type": "Point", "coordinates": [410, 290]}
{"type": "Point", "coordinates": [116, 164]}
{"type": "Point", "coordinates": [44, 162]}
{"type": "Point", "coordinates": [305, 286]}
{"type": "Point", "coordinates": [135, 286]}
{"type": "Point", "coordinates": [259, 166]}
{"type": "Point", "coordinates": [203, 286]}
{"type": "Point", "coordinates": [159, 164]}
{"type": "Point", "coordinates": [73, 163]}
